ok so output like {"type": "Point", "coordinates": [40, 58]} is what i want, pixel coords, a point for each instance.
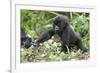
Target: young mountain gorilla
{"type": "Point", "coordinates": [62, 28]}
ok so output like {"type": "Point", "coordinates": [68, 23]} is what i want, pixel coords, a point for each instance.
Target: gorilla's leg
{"type": "Point", "coordinates": [80, 46]}
{"type": "Point", "coordinates": [65, 48]}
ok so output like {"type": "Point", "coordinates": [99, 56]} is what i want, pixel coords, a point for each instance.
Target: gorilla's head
{"type": "Point", "coordinates": [60, 23]}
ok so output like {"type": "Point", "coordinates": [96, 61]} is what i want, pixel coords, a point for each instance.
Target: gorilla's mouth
{"type": "Point", "coordinates": [57, 31]}
{"type": "Point", "coordinates": [57, 28]}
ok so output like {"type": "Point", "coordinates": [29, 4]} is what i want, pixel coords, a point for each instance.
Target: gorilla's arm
{"type": "Point", "coordinates": [45, 36]}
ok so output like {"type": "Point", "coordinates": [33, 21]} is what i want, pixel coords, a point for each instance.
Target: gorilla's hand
{"type": "Point", "coordinates": [35, 45]}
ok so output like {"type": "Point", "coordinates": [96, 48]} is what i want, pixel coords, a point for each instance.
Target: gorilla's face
{"type": "Point", "coordinates": [60, 23]}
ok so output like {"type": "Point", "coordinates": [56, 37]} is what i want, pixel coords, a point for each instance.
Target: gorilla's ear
{"type": "Point", "coordinates": [67, 22]}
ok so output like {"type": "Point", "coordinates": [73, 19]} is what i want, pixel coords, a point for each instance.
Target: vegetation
{"type": "Point", "coordinates": [36, 22]}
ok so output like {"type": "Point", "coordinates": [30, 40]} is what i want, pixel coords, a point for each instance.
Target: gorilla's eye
{"type": "Point", "coordinates": [58, 21]}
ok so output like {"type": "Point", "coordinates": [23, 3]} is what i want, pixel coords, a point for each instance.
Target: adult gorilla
{"type": "Point", "coordinates": [62, 28]}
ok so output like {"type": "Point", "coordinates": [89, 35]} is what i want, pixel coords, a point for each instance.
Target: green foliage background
{"type": "Point", "coordinates": [35, 22]}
